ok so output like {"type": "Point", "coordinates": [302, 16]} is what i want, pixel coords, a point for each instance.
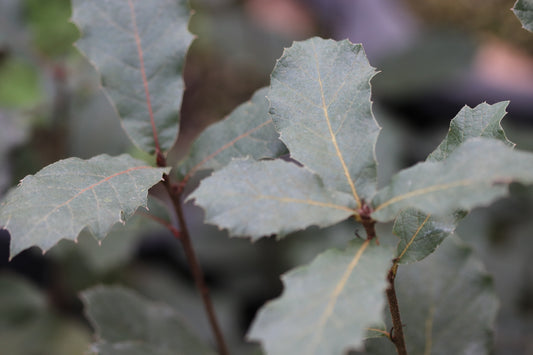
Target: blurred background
{"type": "Point", "coordinates": [434, 56]}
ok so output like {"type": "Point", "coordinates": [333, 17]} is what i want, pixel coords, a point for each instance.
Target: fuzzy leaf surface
{"type": "Point", "coordinates": [421, 234]}
{"type": "Point", "coordinates": [328, 305]}
{"type": "Point", "coordinates": [320, 104]}
{"type": "Point", "coordinates": [260, 198]}
{"type": "Point", "coordinates": [127, 323]}
{"type": "Point", "coordinates": [139, 49]}
{"type": "Point", "coordinates": [454, 311]}
{"type": "Point", "coordinates": [65, 197]}
{"type": "Point", "coordinates": [247, 131]}
{"type": "Point", "coordinates": [523, 9]}
{"type": "Point", "coordinates": [475, 174]}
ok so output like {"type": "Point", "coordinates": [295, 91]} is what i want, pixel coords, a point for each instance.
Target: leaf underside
{"type": "Point", "coordinates": [65, 197]}
{"type": "Point", "coordinates": [247, 131]}
{"type": "Point", "coordinates": [419, 233]}
{"type": "Point", "coordinates": [139, 49]}
{"type": "Point", "coordinates": [320, 104]}
{"type": "Point", "coordinates": [327, 305]}
{"type": "Point", "coordinates": [523, 9]}
{"type": "Point", "coordinates": [127, 323]}
{"type": "Point", "coordinates": [257, 199]}
{"type": "Point", "coordinates": [475, 174]}
{"type": "Point", "coordinates": [448, 304]}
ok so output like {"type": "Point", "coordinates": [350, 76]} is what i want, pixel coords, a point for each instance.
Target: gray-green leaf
{"type": "Point", "coordinates": [523, 9]}
{"type": "Point", "coordinates": [327, 306]}
{"type": "Point", "coordinates": [139, 49]}
{"type": "Point", "coordinates": [448, 304]}
{"type": "Point", "coordinates": [475, 174]}
{"type": "Point", "coordinates": [420, 234]}
{"type": "Point", "coordinates": [127, 323]}
{"type": "Point", "coordinates": [260, 198]}
{"type": "Point", "coordinates": [484, 120]}
{"type": "Point", "coordinates": [247, 131]}
{"type": "Point", "coordinates": [320, 104]}
{"type": "Point", "coordinates": [67, 196]}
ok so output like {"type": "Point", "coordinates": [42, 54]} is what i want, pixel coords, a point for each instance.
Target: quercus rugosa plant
{"type": "Point", "coordinates": [319, 109]}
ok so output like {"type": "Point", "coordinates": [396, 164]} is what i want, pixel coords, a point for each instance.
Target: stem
{"type": "Point", "coordinates": [397, 336]}
{"type": "Point", "coordinates": [196, 270]}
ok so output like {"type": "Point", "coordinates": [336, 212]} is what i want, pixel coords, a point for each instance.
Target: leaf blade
{"type": "Point", "coordinates": [475, 174]}
{"type": "Point", "coordinates": [421, 234]}
{"type": "Point", "coordinates": [127, 323]}
{"type": "Point", "coordinates": [272, 197]}
{"type": "Point", "coordinates": [248, 130]}
{"type": "Point", "coordinates": [327, 305]}
{"type": "Point", "coordinates": [65, 197]}
{"type": "Point", "coordinates": [523, 9]}
{"type": "Point", "coordinates": [146, 88]}
{"type": "Point", "coordinates": [320, 104]}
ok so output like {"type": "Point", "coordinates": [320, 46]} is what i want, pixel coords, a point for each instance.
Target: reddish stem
{"type": "Point", "coordinates": [175, 195]}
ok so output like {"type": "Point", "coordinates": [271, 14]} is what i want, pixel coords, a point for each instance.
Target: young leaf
{"type": "Point", "coordinates": [139, 48]}
{"type": "Point", "coordinates": [67, 196]}
{"type": "Point", "coordinates": [420, 234]}
{"type": "Point", "coordinates": [247, 131]}
{"type": "Point", "coordinates": [484, 120]}
{"type": "Point", "coordinates": [128, 324]}
{"type": "Point", "coordinates": [326, 306]}
{"type": "Point", "coordinates": [475, 174]}
{"type": "Point", "coordinates": [523, 9]}
{"type": "Point", "coordinates": [320, 104]}
{"type": "Point", "coordinates": [448, 304]}
{"type": "Point", "coordinates": [251, 198]}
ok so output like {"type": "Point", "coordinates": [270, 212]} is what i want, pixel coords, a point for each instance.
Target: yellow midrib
{"type": "Point", "coordinates": [335, 295]}
{"type": "Point", "coordinates": [334, 138]}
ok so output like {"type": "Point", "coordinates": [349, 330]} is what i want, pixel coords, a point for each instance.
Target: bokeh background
{"type": "Point", "coordinates": [434, 56]}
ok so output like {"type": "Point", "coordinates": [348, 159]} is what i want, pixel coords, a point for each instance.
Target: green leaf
{"type": "Point", "coordinates": [448, 304]}
{"type": "Point", "coordinates": [256, 199]}
{"type": "Point", "coordinates": [127, 323]}
{"type": "Point", "coordinates": [327, 306]}
{"type": "Point", "coordinates": [420, 234]}
{"type": "Point", "coordinates": [26, 315]}
{"type": "Point", "coordinates": [475, 174]}
{"type": "Point", "coordinates": [320, 104]}
{"type": "Point", "coordinates": [523, 9]}
{"type": "Point", "coordinates": [484, 120]}
{"type": "Point", "coordinates": [247, 131]}
{"type": "Point", "coordinates": [20, 85]}
{"type": "Point", "coordinates": [139, 48]}
{"type": "Point", "coordinates": [67, 196]}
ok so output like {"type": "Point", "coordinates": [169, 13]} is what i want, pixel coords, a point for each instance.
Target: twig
{"type": "Point", "coordinates": [397, 336]}
{"type": "Point", "coordinates": [175, 194]}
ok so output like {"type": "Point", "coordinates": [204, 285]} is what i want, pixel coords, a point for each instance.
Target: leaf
{"type": "Point", "coordinates": [475, 174]}
{"type": "Point", "coordinates": [127, 323]}
{"type": "Point", "coordinates": [25, 314]}
{"type": "Point", "coordinates": [484, 120]}
{"type": "Point", "coordinates": [139, 48]}
{"type": "Point", "coordinates": [455, 309]}
{"type": "Point", "coordinates": [67, 196]}
{"type": "Point", "coordinates": [320, 104]}
{"type": "Point", "coordinates": [247, 131]}
{"type": "Point", "coordinates": [326, 306]}
{"type": "Point", "coordinates": [421, 234]}
{"type": "Point", "coordinates": [523, 9]}
{"type": "Point", "coordinates": [251, 198]}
